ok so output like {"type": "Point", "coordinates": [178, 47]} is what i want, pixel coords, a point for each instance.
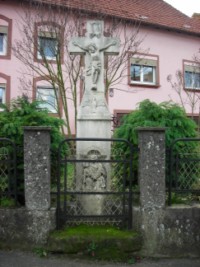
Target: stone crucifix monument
{"type": "Point", "coordinates": [94, 118]}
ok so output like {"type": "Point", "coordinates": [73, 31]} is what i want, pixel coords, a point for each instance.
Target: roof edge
{"type": "Point", "coordinates": [140, 21]}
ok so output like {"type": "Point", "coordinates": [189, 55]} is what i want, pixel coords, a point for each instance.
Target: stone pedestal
{"type": "Point", "coordinates": [94, 121]}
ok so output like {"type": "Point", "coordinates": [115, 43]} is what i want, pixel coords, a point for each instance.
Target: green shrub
{"type": "Point", "coordinates": [22, 113]}
{"type": "Point", "coordinates": [150, 114]}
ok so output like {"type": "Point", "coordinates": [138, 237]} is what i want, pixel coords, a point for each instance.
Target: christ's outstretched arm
{"type": "Point", "coordinates": [108, 45]}
{"type": "Point", "coordinates": [81, 47]}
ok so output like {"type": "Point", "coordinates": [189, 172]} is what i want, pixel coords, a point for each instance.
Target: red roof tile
{"type": "Point", "coordinates": [152, 12]}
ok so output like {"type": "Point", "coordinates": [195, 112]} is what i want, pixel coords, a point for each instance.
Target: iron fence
{"type": "Point", "coordinates": [8, 181]}
{"type": "Point", "coordinates": [94, 187]}
{"type": "Point", "coordinates": [184, 171]}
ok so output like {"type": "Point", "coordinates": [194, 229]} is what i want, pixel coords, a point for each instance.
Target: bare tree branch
{"type": "Point", "coordinates": [64, 71]}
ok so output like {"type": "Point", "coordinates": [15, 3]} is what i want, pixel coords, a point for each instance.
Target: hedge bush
{"type": "Point", "coordinates": [19, 113]}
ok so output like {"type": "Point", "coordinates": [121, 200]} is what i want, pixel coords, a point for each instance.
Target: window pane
{"type": "Point", "coordinates": [48, 47]}
{"type": "Point", "coordinates": [196, 80]}
{"type": "Point", "coordinates": [188, 79]}
{"type": "Point", "coordinates": [3, 38]}
{"type": "Point", "coordinates": [2, 95]}
{"type": "Point", "coordinates": [135, 73]}
{"type": "Point", "coordinates": [148, 74]}
{"type": "Point", "coordinates": [192, 80]}
{"type": "Point", "coordinates": [1, 42]}
{"type": "Point", "coordinates": [47, 98]}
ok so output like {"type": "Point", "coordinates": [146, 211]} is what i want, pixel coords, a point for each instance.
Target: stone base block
{"type": "Point", "coordinates": [20, 227]}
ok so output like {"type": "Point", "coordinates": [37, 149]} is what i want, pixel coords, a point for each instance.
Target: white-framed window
{"type": "Point", "coordinates": [143, 71]}
{"type": "Point", "coordinates": [47, 98]}
{"type": "Point", "coordinates": [2, 93]}
{"type": "Point", "coordinates": [47, 45]}
{"type": "Point", "coordinates": [3, 40]}
{"type": "Point", "coordinates": [192, 77]}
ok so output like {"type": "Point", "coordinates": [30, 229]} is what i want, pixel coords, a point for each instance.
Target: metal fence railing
{"type": "Point", "coordinates": [8, 165]}
{"type": "Point", "coordinates": [103, 184]}
{"type": "Point", "coordinates": [183, 179]}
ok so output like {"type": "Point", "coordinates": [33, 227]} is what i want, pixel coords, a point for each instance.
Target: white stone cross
{"type": "Point", "coordinates": [94, 46]}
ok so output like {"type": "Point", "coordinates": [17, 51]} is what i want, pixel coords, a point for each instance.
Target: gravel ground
{"type": "Point", "coordinates": [27, 259]}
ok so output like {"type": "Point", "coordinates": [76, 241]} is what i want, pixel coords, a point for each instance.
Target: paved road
{"type": "Point", "coordinates": [25, 259]}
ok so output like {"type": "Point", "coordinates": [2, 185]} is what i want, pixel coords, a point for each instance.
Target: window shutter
{"type": "Point", "coordinates": [47, 34]}
{"type": "Point", "coordinates": [4, 29]}
{"type": "Point", "coordinates": [192, 68]}
{"type": "Point", "coordinates": [144, 62]}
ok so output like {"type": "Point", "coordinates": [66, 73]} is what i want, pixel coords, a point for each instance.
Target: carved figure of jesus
{"type": "Point", "coordinates": [94, 175]}
{"type": "Point", "coordinates": [93, 47]}
{"type": "Point", "coordinates": [95, 67]}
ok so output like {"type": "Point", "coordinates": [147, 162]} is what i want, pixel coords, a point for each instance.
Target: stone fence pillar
{"type": "Point", "coordinates": [37, 167]}
{"type": "Point", "coordinates": [152, 183]}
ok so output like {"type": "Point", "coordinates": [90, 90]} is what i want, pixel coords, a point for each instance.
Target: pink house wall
{"type": "Point", "coordinates": [10, 67]}
{"type": "Point", "coordinates": [171, 48]}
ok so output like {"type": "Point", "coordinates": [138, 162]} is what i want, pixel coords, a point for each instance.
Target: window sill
{"type": "Point", "coordinates": [53, 114]}
{"type": "Point", "coordinates": [192, 90]}
{"type": "Point", "coordinates": [145, 85]}
{"type": "Point", "coordinates": [53, 61]}
{"type": "Point", "coordinates": [6, 56]}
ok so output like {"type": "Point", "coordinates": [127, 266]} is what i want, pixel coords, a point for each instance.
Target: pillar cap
{"type": "Point", "coordinates": [37, 128]}
{"type": "Point", "coordinates": [151, 129]}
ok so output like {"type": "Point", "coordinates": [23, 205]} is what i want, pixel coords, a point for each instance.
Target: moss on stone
{"type": "Point", "coordinates": [6, 202]}
{"type": "Point", "coordinates": [97, 232]}
{"type": "Point", "coordinates": [99, 242]}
